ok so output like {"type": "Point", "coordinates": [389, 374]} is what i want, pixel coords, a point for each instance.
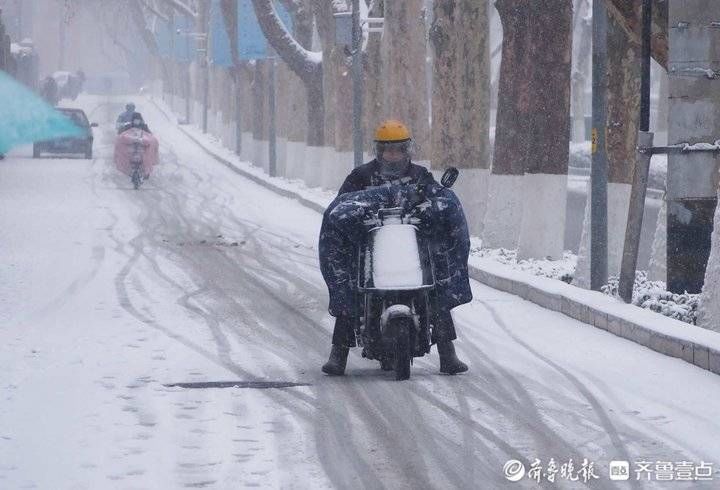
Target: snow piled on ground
{"type": "Point", "coordinates": [651, 295]}
{"type": "Point", "coordinates": [563, 269]}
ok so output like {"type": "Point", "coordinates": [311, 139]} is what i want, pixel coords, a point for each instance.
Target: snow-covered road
{"type": "Point", "coordinates": [109, 294]}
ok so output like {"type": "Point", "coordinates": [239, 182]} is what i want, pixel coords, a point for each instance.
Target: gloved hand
{"type": "Point", "coordinates": [425, 216]}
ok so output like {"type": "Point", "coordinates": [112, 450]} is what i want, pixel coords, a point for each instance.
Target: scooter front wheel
{"type": "Point", "coordinates": [403, 329]}
{"type": "Point", "coordinates": [135, 179]}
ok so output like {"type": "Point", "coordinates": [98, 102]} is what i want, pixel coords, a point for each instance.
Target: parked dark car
{"type": "Point", "coordinates": [81, 144]}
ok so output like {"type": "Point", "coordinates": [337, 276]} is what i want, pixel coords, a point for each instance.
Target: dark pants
{"type": "Point", "coordinates": [444, 329]}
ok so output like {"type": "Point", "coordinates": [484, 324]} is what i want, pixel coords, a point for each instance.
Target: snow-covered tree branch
{"type": "Point", "coordinates": [306, 64]}
{"type": "Point", "coordinates": [181, 7]}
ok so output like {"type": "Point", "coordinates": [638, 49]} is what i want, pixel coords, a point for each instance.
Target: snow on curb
{"type": "Point", "coordinates": [662, 334]}
{"type": "Point", "coordinates": [671, 337]}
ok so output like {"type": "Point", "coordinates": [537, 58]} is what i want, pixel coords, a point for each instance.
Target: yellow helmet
{"type": "Point", "coordinates": [392, 130]}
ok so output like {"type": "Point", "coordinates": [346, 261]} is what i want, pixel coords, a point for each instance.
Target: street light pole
{"type": "Point", "coordinates": [357, 84]}
{"type": "Point", "coordinates": [171, 57]}
{"type": "Point", "coordinates": [272, 126]}
{"type": "Point", "coordinates": [188, 81]}
{"type": "Point", "coordinates": [63, 20]}
{"type": "Point", "coordinates": [205, 39]}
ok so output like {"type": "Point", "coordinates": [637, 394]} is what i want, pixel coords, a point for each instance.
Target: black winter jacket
{"type": "Point", "coordinates": [368, 175]}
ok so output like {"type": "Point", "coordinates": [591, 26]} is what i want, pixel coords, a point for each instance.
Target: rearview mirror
{"type": "Point", "coordinates": [449, 177]}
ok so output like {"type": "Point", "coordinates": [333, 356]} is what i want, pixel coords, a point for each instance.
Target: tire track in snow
{"type": "Point", "coordinates": [600, 412]}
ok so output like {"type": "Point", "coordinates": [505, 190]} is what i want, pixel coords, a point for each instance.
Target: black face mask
{"type": "Point", "coordinates": [393, 168]}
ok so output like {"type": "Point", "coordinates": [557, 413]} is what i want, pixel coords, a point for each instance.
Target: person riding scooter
{"type": "Point", "coordinates": [136, 121]}
{"type": "Point", "coordinates": [337, 249]}
{"type": "Point", "coordinates": [125, 117]}
{"type": "Point", "coordinates": [134, 146]}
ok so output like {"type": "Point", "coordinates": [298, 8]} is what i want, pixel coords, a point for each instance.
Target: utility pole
{"type": "Point", "coordinates": [599, 170]}
{"type": "Point", "coordinates": [205, 59]}
{"type": "Point", "coordinates": [20, 31]}
{"type": "Point", "coordinates": [272, 129]}
{"type": "Point", "coordinates": [348, 33]}
{"type": "Point", "coordinates": [63, 21]}
{"type": "Point", "coordinates": [692, 181]}
{"type": "Point", "coordinates": [238, 112]}
{"type": "Point", "coordinates": [188, 81]}
{"type": "Point", "coordinates": [357, 74]}
{"type": "Point", "coordinates": [642, 167]}
{"type": "Point", "coordinates": [171, 58]}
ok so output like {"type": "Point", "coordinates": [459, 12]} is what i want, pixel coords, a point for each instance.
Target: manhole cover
{"type": "Point", "coordinates": [237, 384]}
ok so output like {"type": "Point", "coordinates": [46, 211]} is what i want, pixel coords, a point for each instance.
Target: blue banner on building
{"type": "Point", "coordinates": [220, 52]}
{"type": "Point", "coordinates": [251, 40]}
{"type": "Point", "coordinates": [184, 44]}
{"type": "Point", "coordinates": [174, 38]}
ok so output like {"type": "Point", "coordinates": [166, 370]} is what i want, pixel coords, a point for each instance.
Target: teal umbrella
{"type": "Point", "coordinates": [25, 117]}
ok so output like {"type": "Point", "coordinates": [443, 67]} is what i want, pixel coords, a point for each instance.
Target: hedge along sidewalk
{"type": "Point", "coordinates": [671, 337]}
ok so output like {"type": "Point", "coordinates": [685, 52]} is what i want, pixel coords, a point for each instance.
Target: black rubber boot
{"type": "Point", "coordinates": [338, 359]}
{"type": "Point", "coordinates": [449, 362]}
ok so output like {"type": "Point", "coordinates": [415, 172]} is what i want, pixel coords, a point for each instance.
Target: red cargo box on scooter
{"type": "Point", "coordinates": [135, 145]}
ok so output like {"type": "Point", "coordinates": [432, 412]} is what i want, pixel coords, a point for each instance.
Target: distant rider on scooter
{"type": "Point", "coordinates": [125, 118]}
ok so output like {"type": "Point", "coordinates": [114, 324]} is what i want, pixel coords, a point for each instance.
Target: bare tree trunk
{"type": "Point", "coordinates": [246, 90]}
{"type": "Point", "coordinates": [5, 57]}
{"type": "Point", "coordinates": [447, 64]}
{"type": "Point", "coordinates": [460, 102]}
{"type": "Point", "coordinates": [259, 94]}
{"type": "Point", "coordinates": [533, 128]}
{"type": "Point", "coordinates": [297, 108]}
{"type": "Point", "coordinates": [460, 84]}
{"type": "Point", "coordinates": [542, 231]}
{"type": "Point", "coordinates": [337, 82]}
{"type": "Point", "coordinates": [512, 129]}
{"type": "Point", "coordinates": [512, 142]}
{"type": "Point", "coordinates": [404, 49]}
{"type": "Point", "coordinates": [283, 101]}
{"type": "Point", "coordinates": [303, 25]}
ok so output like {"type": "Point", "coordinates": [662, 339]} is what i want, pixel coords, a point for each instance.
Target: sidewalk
{"type": "Point", "coordinates": [671, 337]}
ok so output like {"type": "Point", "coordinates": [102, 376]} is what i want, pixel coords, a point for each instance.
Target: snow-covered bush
{"type": "Point", "coordinates": [654, 296]}
{"type": "Point", "coordinates": [563, 269]}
